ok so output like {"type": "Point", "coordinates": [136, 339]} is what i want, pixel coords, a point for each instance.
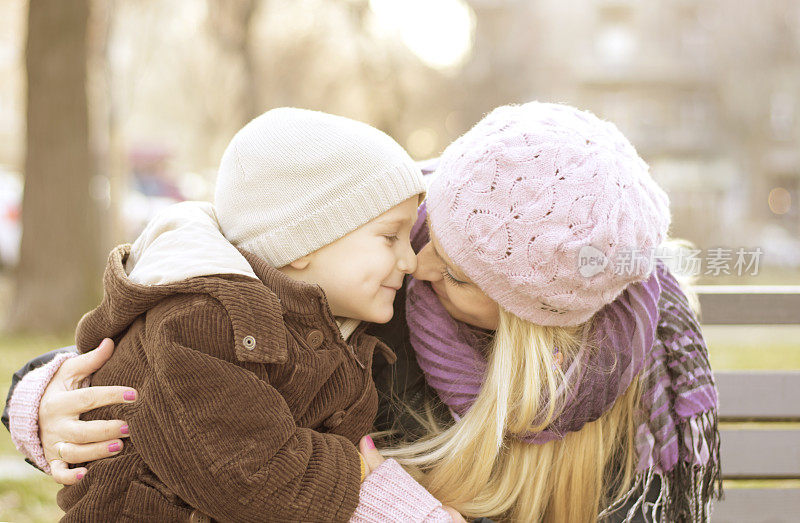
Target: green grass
{"type": "Point", "coordinates": [753, 347]}
{"type": "Point", "coordinates": [32, 495]}
{"type": "Point", "coordinates": [29, 500]}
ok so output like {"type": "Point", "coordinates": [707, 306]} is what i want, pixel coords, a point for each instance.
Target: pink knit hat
{"type": "Point", "coordinates": [549, 210]}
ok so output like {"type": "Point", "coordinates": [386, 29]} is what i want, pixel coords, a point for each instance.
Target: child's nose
{"type": "Point", "coordinates": [428, 265]}
{"type": "Point", "coordinates": [407, 263]}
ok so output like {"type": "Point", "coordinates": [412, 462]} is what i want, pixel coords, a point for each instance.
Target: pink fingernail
{"type": "Point", "coordinates": [129, 395]}
{"type": "Point", "coordinates": [124, 429]}
{"type": "Point", "coordinates": [80, 476]}
{"type": "Point", "coordinates": [114, 447]}
{"type": "Point", "coordinates": [370, 443]}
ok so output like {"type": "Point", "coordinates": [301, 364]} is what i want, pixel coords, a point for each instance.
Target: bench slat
{"type": "Point", "coordinates": [758, 506]}
{"type": "Point", "coordinates": [755, 305]}
{"type": "Point", "coordinates": [758, 453]}
{"type": "Point", "coordinates": [759, 394]}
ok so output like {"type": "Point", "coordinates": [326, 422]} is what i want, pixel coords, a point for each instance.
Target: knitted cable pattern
{"type": "Point", "coordinates": [549, 210]}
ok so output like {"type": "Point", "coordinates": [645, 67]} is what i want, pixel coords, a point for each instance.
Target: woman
{"type": "Point", "coordinates": [542, 342]}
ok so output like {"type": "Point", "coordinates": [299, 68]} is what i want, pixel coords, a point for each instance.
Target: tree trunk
{"type": "Point", "coordinates": [231, 25]}
{"type": "Point", "coordinates": [59, 271]}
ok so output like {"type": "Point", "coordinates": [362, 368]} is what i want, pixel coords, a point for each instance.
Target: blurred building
{"type": "Point", "coordinates": [708, 92]}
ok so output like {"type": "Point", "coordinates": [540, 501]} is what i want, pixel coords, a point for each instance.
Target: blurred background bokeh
{"type": "Point", "coordinates": [110, 110]}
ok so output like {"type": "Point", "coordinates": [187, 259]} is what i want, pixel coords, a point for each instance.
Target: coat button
{"type": "Point", "coordinates": [249, 342]}
{"type": "Point", "coordinates": [314, 338]}
{"type": "Point", "coordinates": [199, 517]}
{"type": "Point", "coordinates": [334, 420]}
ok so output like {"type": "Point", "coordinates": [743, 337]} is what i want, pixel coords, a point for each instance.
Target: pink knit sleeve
{"type": "Point", "coordinates": [23, 410]}
{"type": "Point", "coordinates": [390, 494]}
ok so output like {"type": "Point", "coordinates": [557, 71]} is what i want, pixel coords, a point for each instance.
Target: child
{"type": "Point", "coordinates": [254, 377]}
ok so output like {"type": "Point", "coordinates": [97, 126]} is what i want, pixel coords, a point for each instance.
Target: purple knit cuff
{"type": "Point", "coordinates": [390, 494]}
{"type": "Point", "coordinates": [23, 410]}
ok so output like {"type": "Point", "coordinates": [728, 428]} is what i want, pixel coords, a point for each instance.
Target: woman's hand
{"type": "Point", "coordinates": [66, 439]}
{"type": "Point", "coordinates": [373, 460]}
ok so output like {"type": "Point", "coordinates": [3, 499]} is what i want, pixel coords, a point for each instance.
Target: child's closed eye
{"type": "Point", "coordinates": [391, 238]}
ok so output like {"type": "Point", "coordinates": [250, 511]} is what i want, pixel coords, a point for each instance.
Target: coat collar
{"type": "Point", "coordinates": [296, 298]}
{"type": "Point", "coordinates": [256, 307]}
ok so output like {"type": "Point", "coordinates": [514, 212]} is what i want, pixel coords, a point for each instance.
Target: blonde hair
{"type": "Point", "coordinates": [480, 468]}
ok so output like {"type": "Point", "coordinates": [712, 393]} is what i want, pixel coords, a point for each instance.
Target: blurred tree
{"type": "Point", "coordinates": [105, 116]}
{"type": "Point", "coordinates": [58, 274]}
{"type": "Point", "coordinates": [230, 23]}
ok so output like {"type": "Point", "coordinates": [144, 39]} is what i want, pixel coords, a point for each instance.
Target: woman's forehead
{"type": "Point", "coordinates": [437, 248]}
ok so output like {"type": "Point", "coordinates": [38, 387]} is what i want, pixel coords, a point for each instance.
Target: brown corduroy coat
{"type": "Point", "coordinates": [249, 406]}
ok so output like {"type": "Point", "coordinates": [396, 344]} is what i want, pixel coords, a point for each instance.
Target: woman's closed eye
{"type": "Point", "coordinates": [452, 279]}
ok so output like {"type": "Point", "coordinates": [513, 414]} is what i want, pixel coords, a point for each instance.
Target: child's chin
{"type": "Point", "coordinates": [384, 317]}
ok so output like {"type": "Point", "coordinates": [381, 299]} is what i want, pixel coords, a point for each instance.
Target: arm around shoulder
{"type": "Point", "coordinates": [35, 363]}
{"type": "Point", "coordinates": [21, 416]}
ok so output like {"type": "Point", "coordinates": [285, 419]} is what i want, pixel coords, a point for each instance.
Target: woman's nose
{"type": "Point", "coordinates": [428, 265]}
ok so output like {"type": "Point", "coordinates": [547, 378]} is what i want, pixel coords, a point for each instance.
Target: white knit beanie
{"type": "Point", "coordinates": [293, 180]}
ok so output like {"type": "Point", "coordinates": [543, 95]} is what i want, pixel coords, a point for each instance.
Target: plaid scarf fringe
{"type": "Point", "coordinates": [687, 490]}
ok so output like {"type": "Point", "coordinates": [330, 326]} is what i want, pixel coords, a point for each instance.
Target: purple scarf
{"type": "Point", "coordinates": [649, 330]}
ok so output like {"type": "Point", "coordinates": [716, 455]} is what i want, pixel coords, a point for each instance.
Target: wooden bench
{"type": "Point", "coordinates": [759, 412]}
